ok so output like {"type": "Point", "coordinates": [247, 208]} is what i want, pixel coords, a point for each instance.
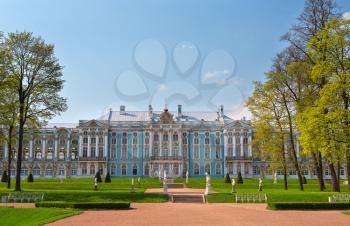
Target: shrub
{"type": "Point", "coordinates": [309, 205]}
{"type": "Point", "coordinates": [227, 178]}
{"type": "Point", "coordinates": [30, 178]}
{"type": "Point", "coordinates": [4, 176]}
{"type": "Point", "coordinates": [108, 178]}
{"type": "Point", "coordinates": [303, 179]}
{"type": "Point", "coordinates": [239, 178]}
{"type": "Point", "coordinates": [98, 176]}
{"type": "Point", "coordinates": [85, 205]}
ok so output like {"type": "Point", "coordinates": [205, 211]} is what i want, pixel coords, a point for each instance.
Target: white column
{"type": "Point", "coordinates": [225, 143]}
{"type": "Point", "coordinates": [89, 151]}
{"type": "Point", "coordinates": [105, 146]}
{"type": "Point", "coordinates": [180, 143]}
{"type": "Point", "coordinates": [80, 145]}
{"type": "Point", "coordinates": [68, 148]}
{"type": "Point", "coordinates": [31, 148]}
{"type": "Point", "coordinates": [170, 139]}
{"type": "Point", "coordinates": [44, 148]}
{"type": "Point", "coordinates": [250, 154]}
{"type": "Point", "coordinates": [96, 151]}
{"type": "Point", "coordinates": [55, 148]}
{"type": "Point", "coordinates": [234, 145]}
{"type": "Point", "coordinates": [242, 146]}
{"type": "Point", "coordinates": [150, 144]}
{"type": "Point", "coordinates": [160, 143]}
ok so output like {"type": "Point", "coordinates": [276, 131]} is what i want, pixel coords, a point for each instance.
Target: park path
{"type": "Point", "coordinates": [160, 214]}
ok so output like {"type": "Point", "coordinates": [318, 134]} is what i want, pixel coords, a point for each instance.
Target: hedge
{"type": "Point", "coordinates": [85, 205]}
{"type": "Point", "coordinates": [309, 205]}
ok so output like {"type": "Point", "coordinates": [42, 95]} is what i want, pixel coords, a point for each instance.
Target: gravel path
{"type": "Point", "coordinates": [160, 214]}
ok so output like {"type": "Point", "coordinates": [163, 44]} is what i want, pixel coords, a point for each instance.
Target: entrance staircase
{"type": "Point", "coordinates": [187, 198]}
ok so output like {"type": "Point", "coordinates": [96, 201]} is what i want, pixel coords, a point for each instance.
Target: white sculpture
{"type": "Point", "coordinates": [207, 184]}
{"type": "Point", "coordinates": [132, 185]}
{"type": "Point", "coordinates": [95, 183]}
{"type": "Point", "coordinates": [233, 185]}
{"type": "Point", "coordinates": [165, 186]}
{"type": "Point", "coordinates": [187, 177]}
{"type": "Point", "coordinates": [260, 185]}
{"type": "Point", "coordinates": [275, 178]}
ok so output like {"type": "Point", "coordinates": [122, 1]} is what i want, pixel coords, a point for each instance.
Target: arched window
{"type": "Point", "coordinates": [24, 171]}
{"type": "Point", "coordinates": [92, 169]}
{"type": "Point", "coordinates": [218, 169]}
{"type": "Point", "coordinates": [230, 151]}
{"type": "Point", "coordinates": [165, 151]}
{"type": "Point", "coordinates": [48, 171]}
{"type": "Point", "coordinates": [146, 170]}
{"type": "Point", "coordinates": [124, 139]}
{"type": "Point", "coordinates": [134, 170]}
{"type": "Point", "coordinates": [61, 171]}
{"type": "Point", "coordinates": [155, 151]}
{"type": "Point", "coordinates": [156, 137]}
{"type": "Point", "coordinates": [123, 170]}
{"type": "Point", "coordinates": [134, 151]}
{"type": "Point", "coordinates": [175, 137]}
{"type": "Point", "coordinates": [196, 139]}
{"type": "Point", "coordinates": [36, 171]}
{"type": "Point", "coordinates": [134, 139]}
{"type": "Point", "coordinates": [124, 152]}
{"type": "Point", "coordinates": [184, 138]}
{"type": "Point", "coordinates": [165, 136]}
{"type": "Point", "coordinates": [207, 168]}
{"type": "Point", "coordinates": [196, 169]}
{"type": "Point", "coordinates": [230, 140]}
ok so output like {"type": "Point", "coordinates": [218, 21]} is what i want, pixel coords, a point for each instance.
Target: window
{"type": "Point", "coordinates": [196, 139]}
{"type": "Point", "coordinates": [48, 171]}
{"type": "Point", "coordinates": [176, 169]}
{"type": "Point", "coordinates": [196, 169]}
{"type": "Point", "coordinates": [218, 169]}
{"type": "Point", "coordinates": [124, 139]}
{"type": "Point", "coordinates": [175, 137]}
{"type": "Point", "coordinates": [113, 168]}
{"type": "Point", "coordinates": [230, 140]}
{"type": "Point", "coordinates": [123, 170]}
{"type": "Point", "coordinates": [36, 171]}
{"type": "Point", "coordinates": [238, 140]}
{"type": "Point", "coordinates": [93, 152]}
{"type": "Point", "coordinates": [134, 170]}
{"type": "Point", "coordinates": [256, 170]}
{"type": "Point", "coordinates": [184, 138]}
{"type": "Point", "coordinates": [114, 140]}
{"type": "Point", "coordinates": [100, 152]}
{"type": "Point", "coordinates": [85, 152]}
{"type": "Point", "coordinates": [146, 170]}
{"type": "Point", "coordinates": [245, 140]}
{"type": "Point", "coordinates": [156, 137]}
{"type": "Point", "coordinates": [50, 142]}
{"type": "Point", "coordinates": [37, 142]}
{"type": "Point", "coordinates": [62, 142]}
{"type": "Point", "coordinates": [207, 168]}
{"type": "Point", "coordinates": [165, 152]}
{"type": "Point", "coordinates": [124, 152]}
{"type": "Point", "coordinates": [61, 171]}
{"type": "Point", "coordinates": [146, 140]}
{"type": "Point", "coordinates": [24, 171]}
{"type": "Point", "coordinates": [165, 137]}
{"type": "Point", "coordinates": [100, 169]}
{"type": "Point", "coordinates": [217, 152]}
{"type": "Point", "coordinates": [85, 140]}
{"type": "Point", "coordinates": [93, 140]}
{"type": "Point", "coordinates": [134, 139]}
{"type": "Point", "coordinates": [342, 171]}
{"type": "Point", "coordinates": [84, 169]}
{"type": "Point", "coordinates": [217, 140]}
{"type": "Point", "coordinates": [155, 151]}
{"type": "Point", "coordinates": [207, 142]}
{"type": "Point", "coordinates": [305, 172]}
{"type": "Point", "coordinates": [230, 151]}
{"type": "Point", "coordinates": [75, 142]}
{"type": "Point", "coordinates": [146, 151]}
{"type": "Point", "coordinates": [100, 140]}
{"type": "Point", "coordinates": [74, 171]}
{"type": "Point", "coordinates": [92, 169]}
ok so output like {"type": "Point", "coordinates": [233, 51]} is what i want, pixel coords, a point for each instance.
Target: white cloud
{"type": "Point", "coordinates": [216, 74]}
{"type": "Point", "coordinates": [162, 87]}
{"type": "Point", "coordinates": [346, 16]}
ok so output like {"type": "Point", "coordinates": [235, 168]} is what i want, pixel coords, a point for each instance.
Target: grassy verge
{"type": "Point", "coordinates": [33, 217]}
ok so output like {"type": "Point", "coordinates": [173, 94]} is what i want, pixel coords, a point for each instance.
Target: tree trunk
{"type": "Point", "coordinates": [348, 169]}
{"type": "Point", "coordinates": [20, 147]}
{"type": "Point", "coordinates": [317, 159]}
{"type": "Point", "coordinates": [335, 182]}
{"type": "Point", "coordinates": [9, 157]}
{"type": "Point", "coordinates": [285, 176]}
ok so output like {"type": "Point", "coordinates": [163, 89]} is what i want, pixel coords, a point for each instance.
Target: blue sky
{"type": "Point", "coordinates": [197, 53]}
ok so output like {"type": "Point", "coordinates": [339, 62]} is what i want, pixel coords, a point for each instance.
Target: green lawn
{"type": "Point", "coordinates": [274, 192]}
{"type": "Point", "coordinates": [32, 217]}
{"type": "Point", "coordinates": [81, 190]}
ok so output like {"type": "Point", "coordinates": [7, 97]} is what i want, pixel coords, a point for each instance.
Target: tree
{"type": "Point", "coordinates": [270, 127]}
{"type": "Point", "coordinates": [36, 74]}
{"type": "Point", "coordinates": [98, 176]}
{"type": "Point", "coordinates": [4, 177]}
{"type": "Point", "coordinates": [227, 178]}
{"type": "Point", "coordinates": [108, 178]}
{"type": "Point", "coordinates": [30, 178]}
{"type": "Point", "coordinates": [239, 179]}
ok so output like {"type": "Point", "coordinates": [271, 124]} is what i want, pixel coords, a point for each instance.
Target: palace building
{"type": "Point", "coordinates": [142, 144]}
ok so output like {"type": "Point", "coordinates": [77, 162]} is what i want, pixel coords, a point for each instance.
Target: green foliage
{"type": "Point", "coordinates": [239, 179]}
{"type": "Point", "coordinates": [30, 178]}
{"type": "Point", "coordinates": [108, 178]}
{"type": "Point", "coordinates": [98, 176]}
{"type": "Point", "coordinates": [309, 206]}
{"type": "Point", "coordinates": [4, 176]}
{"type": "Point", "coordinates": [85, 205]}
{"type": "Point", "coordinates": [227, 178]}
